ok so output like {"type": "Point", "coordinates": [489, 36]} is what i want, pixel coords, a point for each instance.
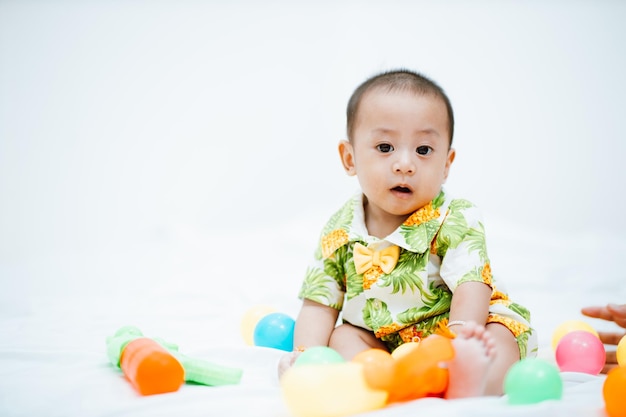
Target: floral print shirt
{"type": "Point", "coordinates": [436, 249]}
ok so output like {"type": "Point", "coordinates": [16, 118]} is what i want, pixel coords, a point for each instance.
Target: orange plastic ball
{"type": "Point", "coordinates": [378, 367]}
{"type": "Point", "coordinates": [614, 391]}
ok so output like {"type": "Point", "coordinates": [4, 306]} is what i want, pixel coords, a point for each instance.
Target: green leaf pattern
{"type": "Point", "coordinates": [408, 275]}
{"type": "Point", "coordinates": [317, 286]}
{"type": "Point", "coordinates": [521, 310]}
{"type": "Point", "coordinates": [336, 266]}
{"type": "Point", "coordinates": [376, 314]}
{"type": "Point", "coordinates": [342, 218]}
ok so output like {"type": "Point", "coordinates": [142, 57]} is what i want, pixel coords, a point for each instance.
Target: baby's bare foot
{"type": "Point", "coordinates": [474, 351]}
{"type": "Point", "coordinates": [286, 362]}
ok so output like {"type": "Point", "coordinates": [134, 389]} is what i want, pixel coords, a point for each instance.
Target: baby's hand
{"type": "Point", "coordinates": [287, 362]}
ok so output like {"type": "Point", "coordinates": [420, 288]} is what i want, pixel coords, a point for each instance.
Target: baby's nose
{"type": "Point", "coordinates": [404, 164]}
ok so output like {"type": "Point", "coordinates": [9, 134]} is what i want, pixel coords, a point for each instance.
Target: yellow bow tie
{"type": "Point", "coordinates": [365, 258]}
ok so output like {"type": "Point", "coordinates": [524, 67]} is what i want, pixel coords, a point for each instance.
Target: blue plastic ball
{"type": "Point", "coordinates": [275, 331]}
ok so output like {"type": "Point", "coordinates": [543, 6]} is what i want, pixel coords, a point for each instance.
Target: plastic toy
{"type": "Point", "coordinates": [613, 392]}
{"type": "Point", "coordinates": [329, 390]}
{"type": "Point", "coordinates": [150, 368]}
{"type": "Point", "coordinates": [250, 319]}
{"type": "Point", "coordinates": [373, 379]}
{"type": "Point", "coordinates": [580, 351]}
{"type": "Point", "coordinates": [378, 366]}
{"type": "Point", "coordinates": [570, 326]}
{"type": "Point", "coordinates": [275, 330]}
{"type": "Point", "coordinates": [154, 366]}
{"type": "Point", "coordinates": [417, 373]}
{"type": "Point", "coordinates": [621, 352]}
{"type": "Point", "coordinates": [318, 355]}
{"type": "Point", "coordinates": [404, 349]}
{"type": "Point", "coordinates": [533, 380]}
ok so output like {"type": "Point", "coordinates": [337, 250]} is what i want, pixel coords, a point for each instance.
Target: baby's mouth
{"type": "Point", "coordinates": [401, 189]}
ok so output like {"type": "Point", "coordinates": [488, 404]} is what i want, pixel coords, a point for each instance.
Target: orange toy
{"type": "Point", "coordinates": [150, 368]}
{"type": "Point", "coordinates": [418, 374]}
{"type": "Point", "coordinates": [378, 368]}
{"type": "Point", "coordinates": [154, 366]}
{"type": "Point", "coordinates": [413, 374]}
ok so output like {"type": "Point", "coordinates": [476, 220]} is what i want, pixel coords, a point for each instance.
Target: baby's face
{"type": "Point", "coordinates": [400, 150]}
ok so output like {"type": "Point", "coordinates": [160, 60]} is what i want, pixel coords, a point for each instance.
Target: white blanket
{"type": "Point", "coordinates": [52, 352]}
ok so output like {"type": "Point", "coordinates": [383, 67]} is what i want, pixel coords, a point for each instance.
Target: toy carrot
{"type": "Point", "coordinates": [154, 366]}
{"type": "Point", "coordinates": [150, 368]}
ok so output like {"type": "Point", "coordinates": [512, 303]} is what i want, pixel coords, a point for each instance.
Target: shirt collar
{"type": "Point", "coordinates": [415, 234]}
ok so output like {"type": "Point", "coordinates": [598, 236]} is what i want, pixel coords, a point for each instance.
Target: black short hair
{"type": "Point", "coordinates": [397, 80]}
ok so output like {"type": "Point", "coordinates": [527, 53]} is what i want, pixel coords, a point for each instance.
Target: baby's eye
{"type": "Point", "coordinates": [384, 147]}
{"type": "Point", "coordinates": [424, 150]}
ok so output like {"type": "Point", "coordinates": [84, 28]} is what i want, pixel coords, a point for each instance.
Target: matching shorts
{"type": "Point", "coordinates": [525, 336]}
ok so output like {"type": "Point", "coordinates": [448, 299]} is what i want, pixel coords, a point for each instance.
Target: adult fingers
{"type": "Point", "coordinates": [608, 367]}
{"type": "Point", "coordinates": [597, 312]}
{"type": "Point", "coordinates": [611, 358]}
{"type": "Point", "coordinates": [610, 338]}
{"type": "Point", "coordinates": [618, 312]}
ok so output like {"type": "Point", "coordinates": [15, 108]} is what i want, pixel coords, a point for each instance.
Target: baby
{"type": "Point", "coordinates": [402, 259]}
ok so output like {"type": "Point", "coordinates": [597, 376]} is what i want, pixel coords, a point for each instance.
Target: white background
{"type": "Point", "coordinates": [128, 127]}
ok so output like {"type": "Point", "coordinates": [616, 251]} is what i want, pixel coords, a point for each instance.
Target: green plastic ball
{"type": "Point", "coordinates": [533, 380]}
{"type": "Point", "coordinates": [319, 355]}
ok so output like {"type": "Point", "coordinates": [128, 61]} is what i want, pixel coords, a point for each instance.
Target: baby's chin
{"type": "Point", "coordinates": [400, 207]}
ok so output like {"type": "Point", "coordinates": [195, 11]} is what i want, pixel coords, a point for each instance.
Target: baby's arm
{"type": "Point", "coordinates": [314, 326]}
{"type": "Point", "coordinates": [470, 302]}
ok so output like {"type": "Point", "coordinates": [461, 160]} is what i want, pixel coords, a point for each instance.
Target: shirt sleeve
{"type": "Point", "coordinates": [465, 259]}
{"type": "Point", "coordinates": [324, 281]}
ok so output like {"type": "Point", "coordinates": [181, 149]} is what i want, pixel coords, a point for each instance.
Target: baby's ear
{"type": "Point", "coordinates": [346, 153]}
{"type": "Point", "coordinates": [449, 161]}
